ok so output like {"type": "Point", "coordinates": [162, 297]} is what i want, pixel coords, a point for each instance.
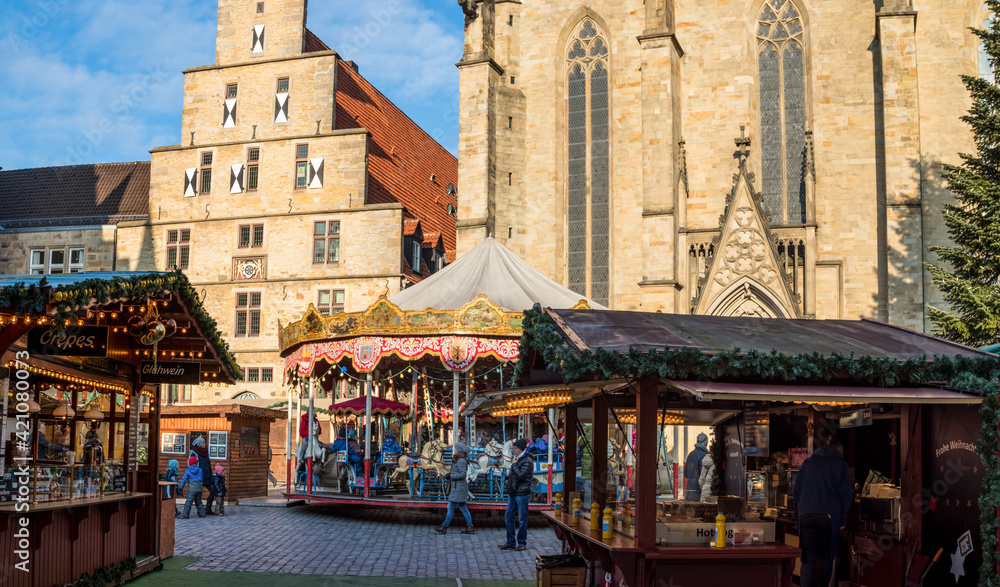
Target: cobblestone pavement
{"type": "Point", "coordinates": [338, 540]}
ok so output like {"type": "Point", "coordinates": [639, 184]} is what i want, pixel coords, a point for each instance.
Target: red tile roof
{"type": "Point", "coordinates": [104, 193]}
{"type": "Point", "coordinates": [314, 44]}
{"type": "Point", "coordinates": [405, 164]}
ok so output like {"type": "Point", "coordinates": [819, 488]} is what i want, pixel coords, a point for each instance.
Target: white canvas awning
{"type": "Point", "coordinates": [491, 269]}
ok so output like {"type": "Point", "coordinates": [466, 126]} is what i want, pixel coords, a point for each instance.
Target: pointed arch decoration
{"type": "Point", "coordinates": [588, 174]}
{"type": "Point", "coordinates": [781, 75]}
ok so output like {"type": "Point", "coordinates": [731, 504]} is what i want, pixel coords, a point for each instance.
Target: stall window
{"type": "Point", "coordinates": [53, 439]}
{"type": "Point", "coordinates": [91, 442]}
{"type": "Point", "coordinates": [218, 443]}
{"type": "Point", "coordinates": [173, 443]}
{"type": "Point", "coordinates": [142, 451]}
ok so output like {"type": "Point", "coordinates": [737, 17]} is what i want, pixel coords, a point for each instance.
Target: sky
{"type": "Point", "coordinates": [99, 81]}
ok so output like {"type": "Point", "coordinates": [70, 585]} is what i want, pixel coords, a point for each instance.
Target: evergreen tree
{"type": "Point", "coordinates": [969, 276]}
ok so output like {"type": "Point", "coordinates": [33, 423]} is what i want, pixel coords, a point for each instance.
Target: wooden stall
{"type": "Point", "coordinates": [237, 436]}
{"type": "Point", "coordinates": [81, 359]}
{"type": "Point", "coordinates": [895, 397]}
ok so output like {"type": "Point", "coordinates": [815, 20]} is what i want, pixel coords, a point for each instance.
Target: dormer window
{"type": "Point", "coordinates": [415, 256]}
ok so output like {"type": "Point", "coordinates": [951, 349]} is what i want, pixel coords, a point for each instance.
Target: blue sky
{"type": "Point", "coordinates": [91, 81]}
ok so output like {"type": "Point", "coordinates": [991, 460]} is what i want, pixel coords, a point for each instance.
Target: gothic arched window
{"type": "Point", "coordinates": [985, 68]}
{"type": "Point", "coordinates": [588, 201]}
{"type": "Point", "coordinates": [781, 68]}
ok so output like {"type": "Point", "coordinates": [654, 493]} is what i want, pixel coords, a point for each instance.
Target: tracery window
{"type": "Point", "coordinates": [588, 201]}
{"type": "Point", "coordinates": [781, 69]}
{"type": "Point", "coordinates": [985, 67]}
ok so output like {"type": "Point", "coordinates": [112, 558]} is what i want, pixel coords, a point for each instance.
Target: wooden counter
{"type": "Point", "coordinates": [8, 507]}
{"type": "Point", "coordinates": [768, 564]}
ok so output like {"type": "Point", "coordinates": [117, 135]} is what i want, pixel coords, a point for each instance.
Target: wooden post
{"type": "Point", "coordinates": [599, 467]}
{"type": "Point", "coordinates": [645, 464]}
{"type": "Point", "coordinates": [569, 457]}
{"type": "Point", "coordinates": [911, 484]}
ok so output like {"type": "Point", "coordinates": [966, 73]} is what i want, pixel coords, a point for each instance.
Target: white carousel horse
{"type": "Point", "coordinates": [428, 460]}
{"type": "Point", "coordinates": [497, 456]}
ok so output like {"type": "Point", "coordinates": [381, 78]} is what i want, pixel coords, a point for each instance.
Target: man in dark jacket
{"type": "Point", "coordinates": [692, 469]}
{"type": "Point", "coordinates": [518, 487]}
{"type": "Point", "coordinates": [823, 493]}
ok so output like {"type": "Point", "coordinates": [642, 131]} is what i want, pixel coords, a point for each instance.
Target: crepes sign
{"type": "Point", "coordinates": [170, 372]}
{"type": "Point", "coordinates": [74, 341]}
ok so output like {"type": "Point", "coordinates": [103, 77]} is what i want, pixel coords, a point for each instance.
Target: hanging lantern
{"type": "Point", "coordinates": [64, 411]}
{"type": "Point", "coordinates": [94, 413]}
{"type": "Point", "coordinates": [33, 406]}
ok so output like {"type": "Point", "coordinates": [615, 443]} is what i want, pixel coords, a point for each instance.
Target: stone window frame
{"type": "Point", "coordinates": [205, 160]}
{"type": "Point", "coordinates": [331, 306]}
{"type": "Point", "coordinates": [301, 163]}
{"type": "Point", "coordinates": [758, 43]}
{"type": "Point", "coordinates": [288, 84]}
{"type": "Point", "coordinates": [583, 54]}
{"type": "Point", "coordinates": [179, 246]}
{"type": "Point", "coordinates": [327, 237]}
{"type": "Point", "coordinates": [253, 168]}
{"type": "Point", "coordinates": [252, 231]}
{"type": "Point", "coordinates": [250, 312]}
{"type": "Point", "coordinates": [47, 265]}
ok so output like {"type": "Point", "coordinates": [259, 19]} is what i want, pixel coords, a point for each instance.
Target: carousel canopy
{"type": "Point", "coordinates": [380, 407]}
{"type": "Point", "coordinates": [491, 269]}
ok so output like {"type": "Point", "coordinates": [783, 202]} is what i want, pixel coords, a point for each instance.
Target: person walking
{"type": "Point", "coordinates": [459, 494]}
{"type": "Point", "coordinates": [193, 475]}
{"type": "Point", "coordinates": [518, 488]}
{"type": "Point", "coordinates": [217, 490]}
{"type": "Point", "coordinates": [692, 469]}
{"type": "Point", "coordinates": [823, 494]}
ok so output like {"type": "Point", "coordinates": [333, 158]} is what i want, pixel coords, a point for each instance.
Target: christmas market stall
{"type": "Point", "coordinates": [83, 356]}
{"type": "Point", "coordinates": [237, 437]}
{"type": "Point", "coordinates": [428, 347]}
{"type": "Point", "coordinates": [916, 415]}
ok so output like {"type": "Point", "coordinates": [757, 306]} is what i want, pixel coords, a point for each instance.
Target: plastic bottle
{"type": "Point", "coordinates": [595, 516]}
{"type": "Point", "coordinates": [720, 530]}
{"type": "Point", "coordinates": [577, 506]}
{"type": "Point", "coordinates": [559, 503]}
{"type": "Point", "coordinates": [606, 525]}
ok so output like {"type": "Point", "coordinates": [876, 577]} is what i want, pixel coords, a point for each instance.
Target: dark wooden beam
{"type": "Point", "coordinates": [645, 464]}
{"type": "Point", "coordinates": [599, 468]}
{"type": "Point", "coordinates": [569, 457]}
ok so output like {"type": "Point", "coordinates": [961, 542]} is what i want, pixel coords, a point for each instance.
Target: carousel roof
{"type": "Point", "coordinates": [380, 407]}
{"type": "Point", "coordinates": [491, 269]}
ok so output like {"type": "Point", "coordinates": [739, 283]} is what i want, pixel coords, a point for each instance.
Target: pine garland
{"type": "Point", "coordinates": [31, 300]}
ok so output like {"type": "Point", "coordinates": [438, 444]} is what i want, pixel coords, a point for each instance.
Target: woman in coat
{"type": "Point", "coordinates": [459, 489]}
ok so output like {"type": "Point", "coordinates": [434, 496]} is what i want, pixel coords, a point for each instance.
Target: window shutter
{"type": "Point", "coordinates": [316, 173]}
{"type": "Point", "coordinates": [191, 182]}
{"type": "Point", "coordinates": [236, 179]}
{"type": "Point", "coordinates": [258, 38]}
{"type": "Point", "coordinates": [229, 113]}
{"type": "Point", "coordinates": [281, 107]}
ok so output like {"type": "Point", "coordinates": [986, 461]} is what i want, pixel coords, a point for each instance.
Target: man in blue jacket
{"type": "Point", "coordinates": [823, 493]}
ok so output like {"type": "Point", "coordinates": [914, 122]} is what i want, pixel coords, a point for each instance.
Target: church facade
{"type": "Point", "coordinates": [775, 158]}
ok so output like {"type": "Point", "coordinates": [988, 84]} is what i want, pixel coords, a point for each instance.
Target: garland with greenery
{"type": "Point", "coordinates": [31, 300]}
{"type": "Point", "coordinates": [111, 574]}
{"type": "Point", "coordinates": [980, 376]}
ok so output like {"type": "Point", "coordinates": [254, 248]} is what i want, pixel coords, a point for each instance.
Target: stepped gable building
{"type": "Point", "coordinates": [597, 143]}
{"type": "Point", "coordinates": [65, 219]}
{"type": "Point", "coordinates": [295, 182]}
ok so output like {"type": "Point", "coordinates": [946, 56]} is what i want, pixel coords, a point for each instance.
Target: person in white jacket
{"type": "Point", "coordinates": [707, 477]}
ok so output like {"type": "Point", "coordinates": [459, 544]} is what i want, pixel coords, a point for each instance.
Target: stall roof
{"type": "Point", "coordinates": [619, 331]}
{"type": "Point", "coordinates": [711, 390]}
{"type": "Point", "coordinates": [491, 269]}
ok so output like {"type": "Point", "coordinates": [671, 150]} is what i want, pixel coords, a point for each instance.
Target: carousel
{"type": "Point", "coordinates": [400, 371]}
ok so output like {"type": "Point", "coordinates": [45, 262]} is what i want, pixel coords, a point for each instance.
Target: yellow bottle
{"type": "Point", "coordinates": [559, 503]}
{"type": "Point", "coordinates": [606, 528]}
{"type": "Point", "coordinates": [720, 530]}
{"type": "Point", "coordinates": [595, 516]}
{"type": "Point", "coordinates": [577, 506]}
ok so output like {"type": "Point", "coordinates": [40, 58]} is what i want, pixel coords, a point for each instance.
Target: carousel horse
{"type": "Point", "coordinates": [429, 459]}
{"type": "Point", "coordinates": [497, 456]}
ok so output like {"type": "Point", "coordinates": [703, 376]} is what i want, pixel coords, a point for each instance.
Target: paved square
{"type": "Point", "coordinates": [344, 540]}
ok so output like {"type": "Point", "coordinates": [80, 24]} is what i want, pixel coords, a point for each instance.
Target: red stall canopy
{"type": "Point", "coordinates": [380, 407]}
